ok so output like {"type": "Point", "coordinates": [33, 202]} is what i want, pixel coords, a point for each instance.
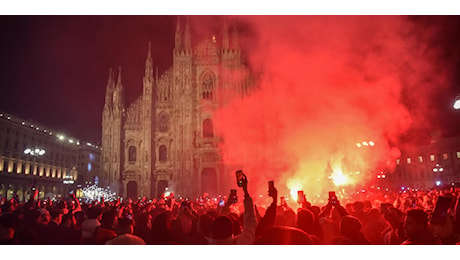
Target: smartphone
{"type": "Point", "coordinates": [233, 196]}
{"type": "Point", "coordinates": [221, 202]}
{"type": "Point", "coordinates": [300, 196]}
{"type": "Point", "coordinates": [271, 185]}
{"type": "Point", "coordinates": [332, 197]}
{"type": "Point", "coordinates": [239, 178]}
{"type": "Point", "coordinates": [441, 210]}
{"type": "Point", "coordinates": [282, 201]}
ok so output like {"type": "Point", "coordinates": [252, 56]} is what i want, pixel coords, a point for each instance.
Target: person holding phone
{"type": "Point", "coordinates": [222, 228]}
{"type": "Point", "coordinates": [268, 219]}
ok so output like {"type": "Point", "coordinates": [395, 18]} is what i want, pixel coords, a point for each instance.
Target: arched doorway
{"type": "Point", "coordinates": [162, 185]}
{"type": "Point", "coordinates": [131, 190]}
{"type": "Point", "coordinates": [2, 191]}
{"type": "Point", "coordinates": [20, 195]}
{"type": "Point", "coordinates": [209, 181]}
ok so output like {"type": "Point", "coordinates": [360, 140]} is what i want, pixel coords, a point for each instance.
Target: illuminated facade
{"type": "Point", "coordinates": [32, 155]}
{"type": "Point", "coordinates": [168, 137]}
{"type": "Point", "coordinates": [424, 167]}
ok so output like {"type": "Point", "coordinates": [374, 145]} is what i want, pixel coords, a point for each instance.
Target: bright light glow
{"type": "Point", "coordinates": [61, 137]}
{"type": "Point", "coordinates": [41, 152]}
{"type": "Point", "coordinates": [94, 192]}
{"type": "Point", "coordinates": [294, 186]}
{"type": "Point", "coordinates": [365, 144]}
{"type": "Point", "coordinates": [338, 178]}
{"type": "Point", "coordinates": [23, 123]}
{"type": "Point", "coordinates": [71, 141]}
{"type": "Point", "coordinates": [378, 176]}
{"type": "Point", "coordinates": [384, 176]}
{"type": "Point", "coordinates": [88, 144]}
{"type": "Point", "coordinates": [358, 145]}
{"type": "Point", "coordinates": [438, 183]}
{"type": "Point", "coordinates": [457, 103]}
{"type": "Point", "coordinates": [27, 151]}
{"type": "Point", "coordinates": [435, 169]}
{"type": "Point", "coordinates": [371, 143]}
{"type": "Point", "coordinates": [441, 169]}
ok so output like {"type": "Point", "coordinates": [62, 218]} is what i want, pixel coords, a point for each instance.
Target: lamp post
{"type": "Point", "coordinates": [35, 152]}
{"type": "Point", "coordinates": [438, 172]}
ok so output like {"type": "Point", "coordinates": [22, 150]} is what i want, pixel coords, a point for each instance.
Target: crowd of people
{"type": "Point", "coordinates": [409, 218]}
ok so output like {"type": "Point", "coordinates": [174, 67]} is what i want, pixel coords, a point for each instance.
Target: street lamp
{"type": "Point", "coordinates": [34, 151]}
{"type": "Point", "coordinates": [457, 102]}
{"type": "Point", "coordinates": [438, 168]}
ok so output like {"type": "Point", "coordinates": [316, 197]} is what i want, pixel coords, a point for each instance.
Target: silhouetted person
{"type": "Point", "coordinates": [394, 234]}
{"type": "Point", "coordinates": [222, 228]}
{"type": "Point", "coordinates": [445, 231]}
{"type": "Point", "coordinates": [283, 235]}
{"type": "Point", "coordinates": [162, 230]}
{"type": "Point", "coordinates": [8, 226]}
{"type": "Point", "coordinates": [90, 225]}
{"type": "Point", "coordinates": [125, 234]}
{"type": "Point", "coordinates": [416, 229]}
{"type": "Point", "coordinates": [359, 212]}
{"type": "Point", "coordinates": [143, 227]}
{"type": "Point", "coordinates": [52, 230]}
{"type": "Point", "coordinates": [375, 226]}
{"type": "Point", "coordinates": [68, 235]}
{"type": "Point", "coordinates": [106, 230]}
{"type": "Point", "coordinates": [350, 229]}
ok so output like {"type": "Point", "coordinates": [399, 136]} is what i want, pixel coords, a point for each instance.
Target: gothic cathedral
{"type": "Point", "coordinates": [167, 139]}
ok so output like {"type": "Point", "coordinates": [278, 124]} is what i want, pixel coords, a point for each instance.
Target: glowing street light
{"type": "Point", "coordinates": [457, 102]}
{"type": "Point", "coordinates": [34, 151]}
{"type": "Point", "coordinates": [438, 168]}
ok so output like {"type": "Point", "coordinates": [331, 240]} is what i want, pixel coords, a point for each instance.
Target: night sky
{"type": "Point", "coordinates": [54, 69]}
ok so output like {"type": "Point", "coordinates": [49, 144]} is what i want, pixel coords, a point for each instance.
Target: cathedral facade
{"type": "Point", "coordinates": [167, 139]}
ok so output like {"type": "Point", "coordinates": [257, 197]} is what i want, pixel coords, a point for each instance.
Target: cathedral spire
{"type": "Point", "coordinates": [149, 54]}
{"type": "Point", "coordinates": [149, 63]}
{"type": "Point", "coordinates": [110, 80]}
{"type": "Point", "coordinates": [119, 77]}
{"type": "Point", "coordinates": [118, 100]}
{"type": "Point", "coordinates": [225, 41]}
{"type": "Point", "coordinates": [156, 72]}
{"type": "Point", "coordinates": [235, 41]}
{"type": "Point", "coordinates": [187, 40]}
{"type": "Point", "coordinates": [178, 46]}
{"type": "Point", "coordinates": [109, 89]}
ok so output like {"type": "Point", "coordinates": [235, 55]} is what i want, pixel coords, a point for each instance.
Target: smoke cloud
{"type": "Point", "coordinates": [326, 83]}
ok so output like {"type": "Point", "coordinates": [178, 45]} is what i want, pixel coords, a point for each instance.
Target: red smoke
{"type": "Point", "coordinates": [327, 83]}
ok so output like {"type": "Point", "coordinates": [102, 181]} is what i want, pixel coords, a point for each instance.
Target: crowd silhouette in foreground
{"type": "Point", "coordinates": [413, 218]}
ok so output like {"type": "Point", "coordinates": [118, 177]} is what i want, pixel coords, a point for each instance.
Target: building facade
{"type": "Point", "coordinates": [32, 155]}
{"type": "Point", "coordinates": [168, 137]}
{"type": "Point", "coordinates": [428, 166]}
